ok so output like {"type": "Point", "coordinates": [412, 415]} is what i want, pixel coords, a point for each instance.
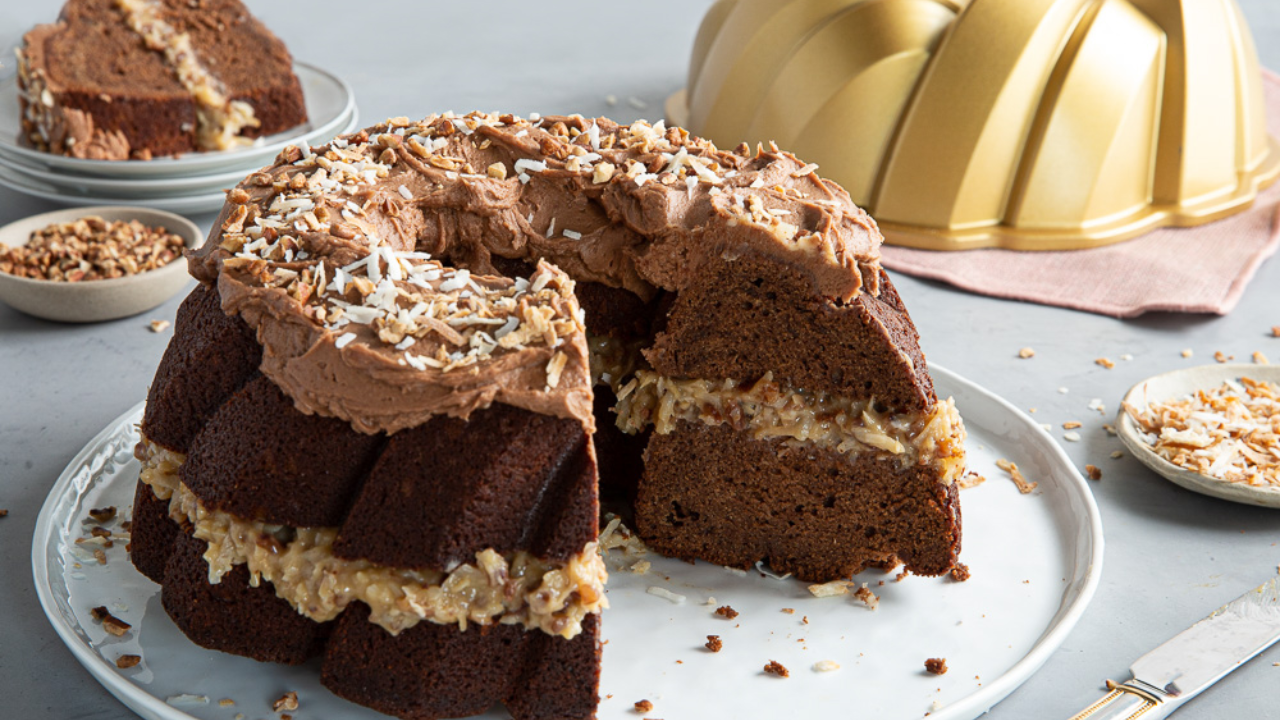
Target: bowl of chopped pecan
{"type": "Point", "coordinates": [96, 263]}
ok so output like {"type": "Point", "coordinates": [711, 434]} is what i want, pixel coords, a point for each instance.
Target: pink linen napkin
{"type": "Point", "coordinates": [1192, 270]}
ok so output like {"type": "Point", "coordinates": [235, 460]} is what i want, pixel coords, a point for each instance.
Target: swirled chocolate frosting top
{"type": "Point", "coordinates": [349, 258]}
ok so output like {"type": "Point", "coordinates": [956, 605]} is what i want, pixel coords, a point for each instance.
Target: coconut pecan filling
{"type": "Point", "coordinates": [512, 589]}
{"type": "Point", "coordinates": [768, 410]}
{"type": "Point", "coordinates": [219, 119]}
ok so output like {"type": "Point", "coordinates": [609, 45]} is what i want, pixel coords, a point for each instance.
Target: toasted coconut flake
{"type": "Point", "coordinates": [1231, 432]}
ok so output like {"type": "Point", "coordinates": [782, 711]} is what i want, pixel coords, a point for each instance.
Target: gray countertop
{"type": "Point", "coordinates": [1171, 556]}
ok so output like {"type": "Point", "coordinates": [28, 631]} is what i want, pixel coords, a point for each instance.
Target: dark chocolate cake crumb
{"type": "Point", "coordinates": [775, 668]}
{"type": "Point", "coordinates": [713, 643]}
{"type": "Point", "coordinates": [960, 572]}
{"type": "Point", "coordinates": [936, 666]}
{"type": "Point", "coordinates": [726, 612]}
{"type": "Point", "coordinates": [4, 513]}
{"type": "Point", "coordinates": [644, 706]}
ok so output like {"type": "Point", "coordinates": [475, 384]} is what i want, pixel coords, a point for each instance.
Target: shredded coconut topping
{"type": "Point", "coordinates": [1231, 432]}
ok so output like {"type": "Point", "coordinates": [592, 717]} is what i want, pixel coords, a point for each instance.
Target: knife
{"type": "Point", "coordinates": [1194, 659]}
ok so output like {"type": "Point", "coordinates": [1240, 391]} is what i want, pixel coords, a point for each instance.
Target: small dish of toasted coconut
{"type": "Point", "coordinates": [95, 263]}
{"type": "Point", "coordinates": [1213, 429]}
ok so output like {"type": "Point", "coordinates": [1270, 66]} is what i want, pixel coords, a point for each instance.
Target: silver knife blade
{"type": "Point", "coordinates": [1200, 655]}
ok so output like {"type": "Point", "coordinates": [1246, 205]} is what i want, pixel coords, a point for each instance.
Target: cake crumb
{"type": "Point", "coordinates": [159, 326]}
{"type": "Point", "coordinates": [103, 514]}
{"type": "Point", "coordinates": [288, 701]}
{"type": "Point", "coordinates": [1223, 357]}
{"type": "Point", "coordinates": [726, 612]}
{"type": "Point", "coordinates": [866, 597]}
{"type": "Point", "coordinates": [1105, 362]}
{"type": "Point", "coordinates": [1116, 454]}
{"type": "Point", "coordinates": [124, 662]}
{"type": "Point", "coordinates": [826, 666]}
{"type": "Point", "coordinates": [805, 619]}
{"type": "Point", "coordinates": [1024, 487]}
{"type": "Point", "coordinates": [1026, 352]}
{"type": "Point", "coordinates": [972, 479]}
{"type": "Point", "coordinates": [226, 702]}
{"type": "Point", "coordinates": [1187, 353]}
{"type": "Point", "coordinates": [110, 623]}
{"type": "Point", "coordinates": [1275, 331]}
{"type": "Point", "coordinates": [714, 644]}
{"type": "Point", "coordinates": [1260, 359]}
{"type": "Point", "coordinates": [1072, 425]}
{"type": "Point", "coordinates": [936, 666]}
{"type": "Point", "coordinates": [776, 668]}
{"type": "Point", "coordinates": [641, 567]}
{"type": "Point", "coordinates": [789, 611]}
{"type": "Point", "coordinates": [1093, 471]}
{"type": "Point", "coordinates": [4, 513]}
{"type": "Point", "coordinates": [960, 572]}
{"type": "Point", "coordinates": [901, 576]}
{"type": "Point", "coordinates": [830, 589]}
{"type": "Point", "coordinates": [643, 706]}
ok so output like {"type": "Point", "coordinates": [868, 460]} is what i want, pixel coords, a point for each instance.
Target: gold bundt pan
{"type": "Point", "coordinates": [1024, 124]}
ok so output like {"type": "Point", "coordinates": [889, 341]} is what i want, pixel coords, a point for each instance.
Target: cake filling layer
{"type": "Point", "coordinates": [219, 119]}
{"type": "Point", "coordinates": [511, 589]}
{"type": "Point", "coordinates": [768, 410]}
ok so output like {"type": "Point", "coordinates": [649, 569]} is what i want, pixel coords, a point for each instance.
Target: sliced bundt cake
{"type": "Point", "coordinates": [441, 313]}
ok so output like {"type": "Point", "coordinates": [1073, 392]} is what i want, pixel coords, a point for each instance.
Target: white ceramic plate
{"type": "Point", "coordinates": [1180, 384]}
{"type": "Point", "coordinates": [329, 100]}
{"type": "Point", "coordinates": [1036, 560]}
{"type": "Point", "coordinates": [191, 194]}
{"type": "Point", "coordinates": [89, 185]}
{"type": "Point", "coordinates": [185, 204]}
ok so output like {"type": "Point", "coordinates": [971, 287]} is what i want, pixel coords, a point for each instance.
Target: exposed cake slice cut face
{"type": "Point", "coordinates": [121, 79]}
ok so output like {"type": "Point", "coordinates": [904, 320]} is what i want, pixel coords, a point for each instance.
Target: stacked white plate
{"type": "Point", "coordinates": [189, 184]}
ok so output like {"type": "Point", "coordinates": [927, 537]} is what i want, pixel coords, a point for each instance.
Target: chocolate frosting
{"type": "Point", "coordinates": [638, 207]}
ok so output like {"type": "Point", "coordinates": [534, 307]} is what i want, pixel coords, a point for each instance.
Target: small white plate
{"type": "Point", "coordinates": [1036, 561]}
{"type": "Point", "coordinates": [329, 100]}
{"type": "Point", "coordinates": [200, 194]}
{"type": "Point", "coordinates": [185, 204]}
{"type": "Point", "coordinates": [97, 300]}
{"type": "Point", "coordinates": [90, 186]}
{"type": "Point", "coordinates": [195, 193]}
{"type": "Point", "coordinates": [1179, 384]}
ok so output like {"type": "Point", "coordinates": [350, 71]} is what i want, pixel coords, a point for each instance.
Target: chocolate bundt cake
{"type": "Point", "coordinates": [136, 79]}
{"type": "Point", "coordinates": [418, 353]}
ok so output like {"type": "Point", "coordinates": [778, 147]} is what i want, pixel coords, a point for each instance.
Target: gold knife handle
{"type": "Point", "coordinates": [1125, 702]}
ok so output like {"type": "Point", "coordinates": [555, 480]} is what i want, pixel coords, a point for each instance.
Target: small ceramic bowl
{"type": "Point", "coordinates": [96, 300]}
{"type": "Point", "coordinates": [1179, 384]}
